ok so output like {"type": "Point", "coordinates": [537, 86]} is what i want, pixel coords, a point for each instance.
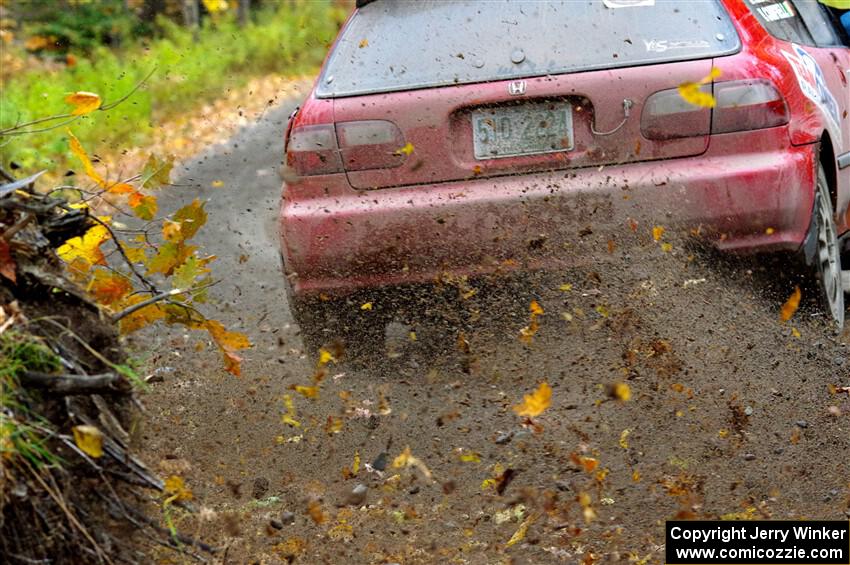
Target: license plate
{"type": "Point", "coordinates": [522, 130]}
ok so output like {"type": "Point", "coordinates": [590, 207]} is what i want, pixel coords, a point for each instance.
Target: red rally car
{"type": "Point", "coordinates": [444, 136]}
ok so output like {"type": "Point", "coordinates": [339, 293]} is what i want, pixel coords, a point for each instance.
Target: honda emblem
{"type": "Point", "coordinates": [516, 88]}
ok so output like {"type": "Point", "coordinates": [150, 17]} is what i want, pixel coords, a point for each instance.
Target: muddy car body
{"type": "Point", "coordinates": [473, 138]}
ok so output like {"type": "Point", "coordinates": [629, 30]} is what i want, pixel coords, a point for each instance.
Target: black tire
{"type": "Point", "coordinates": [826, 257]}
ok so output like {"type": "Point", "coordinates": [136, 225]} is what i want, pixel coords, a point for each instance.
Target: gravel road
{"type": "Point", "coordinates": [730, 413]}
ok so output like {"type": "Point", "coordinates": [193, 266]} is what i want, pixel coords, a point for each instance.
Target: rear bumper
{"type": "Point", "coordinates": [738, 198]}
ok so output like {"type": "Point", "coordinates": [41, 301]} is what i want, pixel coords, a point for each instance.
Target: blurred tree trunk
{"type": "Point", "coordinates": [243, 12]}
{"type": "Point", "coordinates": [191, 14]}
{"type": "Point", "coordinates": [150, 8]}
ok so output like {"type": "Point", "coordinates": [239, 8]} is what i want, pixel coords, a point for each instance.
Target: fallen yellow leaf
{"type": "Point", "coordinates": [89, 439]}
{"type": "Point", "coordinates": [791, 305]}
{"type": "Point", "coordinates": [366, 306]}
{"type": "Point", "coordinates": [407, 459]}
{"type": "Point", "coordinates": [621, 391]}
{"type": "Point", "coordinates": [176, 489]}
{"type": "Point", "coordinates": [535, 403]}
{"type": "Point", "coordinates": [657, 232]}
{"type": "Point", "coordinates": [624, 438]}
{"type": "Point", "coordinates": [307, 391]}
{"type": "Point", "coordinates": [519, 535]}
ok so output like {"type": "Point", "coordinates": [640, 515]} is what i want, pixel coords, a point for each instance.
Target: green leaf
{"type": "Point", "coordinates": [191, 218]}
{"type": "Point", "coordinates": [157, 172]}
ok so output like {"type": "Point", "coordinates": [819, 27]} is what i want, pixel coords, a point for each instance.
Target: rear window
{"type": "Point", "coordinates": [390, 45]}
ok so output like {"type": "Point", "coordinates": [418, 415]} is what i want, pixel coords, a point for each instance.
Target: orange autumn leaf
{"type": "Point", "coordinates": [109, 287]}
{"type": "Point", "coordinates": [588, 464]}
{"type": "Point", "coordinates": [535, 403]}
{"type": "Point", "coordinates": [314, 510]}
{"type": "Point", "coordinates": [143, 206]}
{"type": "Point", "coordinates": [140, 318]}
{"type": "Point", "coordinates": [7, 263]}
{"type": "Point", "coordinates": [790, 307]}
{"type": "Point", "coordinates": [83, 102]}
{"type": "Point", "coordinates": [229, 343]}
{"type": "Point", "coordinates": [120, 188]}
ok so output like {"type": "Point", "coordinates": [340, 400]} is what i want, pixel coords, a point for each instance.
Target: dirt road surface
{"type": "Point", "coordinates": [730, 412]}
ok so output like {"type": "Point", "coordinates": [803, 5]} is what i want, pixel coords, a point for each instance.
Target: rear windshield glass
{"type": "Point", "coordinates": [399, 45]}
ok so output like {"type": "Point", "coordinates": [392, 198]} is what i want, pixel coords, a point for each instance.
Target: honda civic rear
{"type": "Point", "coordinates": [472, 137]}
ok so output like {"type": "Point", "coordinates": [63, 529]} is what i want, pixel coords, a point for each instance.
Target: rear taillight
{"type": "Point", "coordinates": [666, 115]}
{"type": "Point", "coordinates": [348, 146]}
{"type": "Point", "coordinates": [747, 105]}
{"type": "Point", "coordinates": [740, 105]}
{"type": "Point", "coordinates": [370, 144]}
{"type": "Point", "coordinates": [312, 150]}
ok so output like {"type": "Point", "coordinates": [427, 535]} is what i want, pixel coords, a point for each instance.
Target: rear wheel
{"type": "Point", "coordinates": [827, 257]}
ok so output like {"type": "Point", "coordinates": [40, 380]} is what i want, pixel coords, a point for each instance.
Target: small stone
{"type": "Point", "coordinates": [779, 450]}
{"type": "Point", "coordinates": [357, 496]}
{"type": "Point", "coordinates": [839, 360]}
{"type": "Point", "coordinates": [748, 410]}
{"type": "Point", "coordinates": [414, 490]}
{"type": "Point", "coordinates": [380, 462]}
{"type": "Point", "coordinates": [287, 517]}
{"type": "Point", "coordinates": [275, 524]}
{"type": "Point", "coordinates": [749, 456]}
{"type": "Point", "coordinates": [801, 424]}
{"type": "Point", "coordinates": [504, 438]}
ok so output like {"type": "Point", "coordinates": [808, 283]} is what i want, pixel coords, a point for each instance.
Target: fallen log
{"type": "Point", "coordinates": [106, 383]}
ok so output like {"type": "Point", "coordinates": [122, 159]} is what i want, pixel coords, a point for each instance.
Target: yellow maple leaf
{"type": "Point", "coordinates": [83, 102]}
{"type": "Point", "coordinates": [176, 489]}
{"type": "Point", "coordinates": [657, 232]}
{"type": "Point", "coordinates": [535, 403]}
{"type": "Point", "coordinates": [89, 439]}
{"type": "Point", "coordinates": [406, 150]}
{"type": "Point", "coordinates": [84, 251]}
{"type": "Point", "coordinates": [693, 93]}
{"type": "Point", "coordinates": [366, 306]}
{"type": "Point", "coordinates": [790, 307]}
{"type": "Point", "coordinates": [363, 43]}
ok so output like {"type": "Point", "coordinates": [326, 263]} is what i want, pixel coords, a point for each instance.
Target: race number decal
{"type": "Point", "coordinates": [812, 83]}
